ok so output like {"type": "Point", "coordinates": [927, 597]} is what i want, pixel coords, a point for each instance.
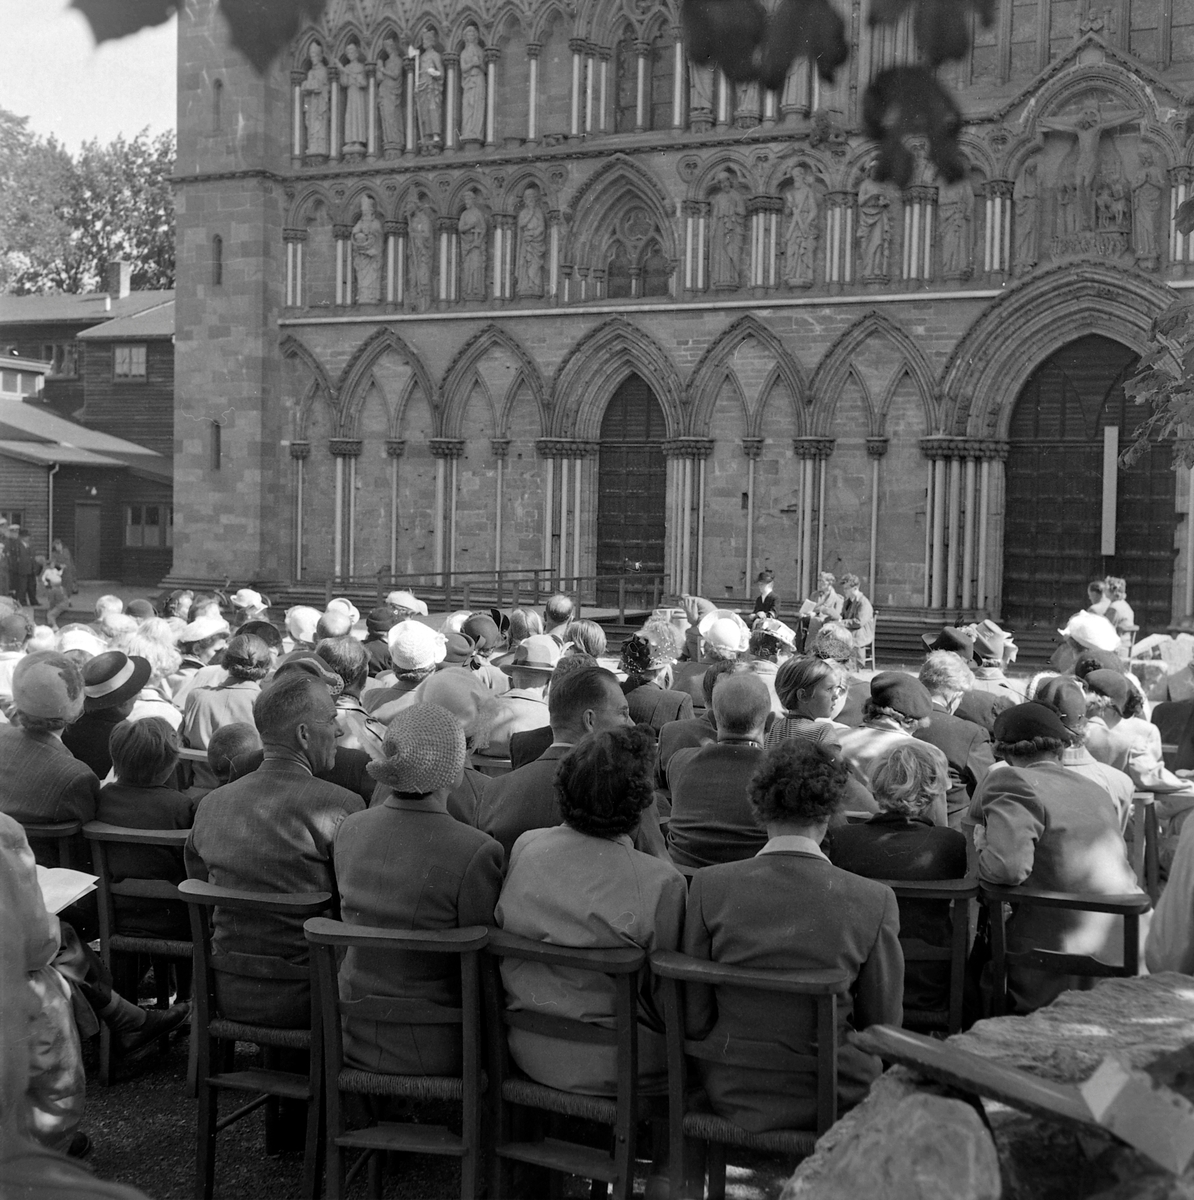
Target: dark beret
{"type": "Point", "coordinates": [1097, 660]}
{"type": "Point", "coordinates": [1066, 697]}
{"type": "Point", "coordinates": [904, 693]}
{"type": "Point", "coordinates": [1112, 684]}
{"type": "Point", "coordinates": [381, 620]}
{"type": "Point", "coordinates": [1023, 722]}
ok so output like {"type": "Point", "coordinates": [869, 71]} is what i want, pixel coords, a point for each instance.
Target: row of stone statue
{"type": "Point", "coordinates": [472, 227]}
{"type": "Point", "coordinates": [428, 67]}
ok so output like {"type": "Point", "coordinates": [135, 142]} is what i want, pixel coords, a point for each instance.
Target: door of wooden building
{"type": "Point", "coordinates": [631, 493]}
{"type": "Point", "coordinates": [87, 540]}
{"type": "Point", "coordinates": [1053, 531]}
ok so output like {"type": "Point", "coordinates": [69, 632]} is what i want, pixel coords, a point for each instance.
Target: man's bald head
{"type": "Point", "coordinates": [740, 705]}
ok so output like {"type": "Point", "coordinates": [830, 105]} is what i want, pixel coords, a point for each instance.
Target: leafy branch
{"type": "Point", "coordinates": [1164, 383]}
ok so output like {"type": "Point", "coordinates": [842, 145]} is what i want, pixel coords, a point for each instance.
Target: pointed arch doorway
{"type": "Point", "coordinates": [631, 491]}
{"type": "Point", "coordinates": [1053, 526]}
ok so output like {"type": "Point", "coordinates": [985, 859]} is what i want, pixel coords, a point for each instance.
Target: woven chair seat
{"type": "Point", "coordinates": [933, 1018]}
{"type": "Point", "coordinates": [416, 1087]}
{"type": "Point", "coordinates": [261, 1035]}
{"type": "Point", "coordinates": [718, 1129]}
{"type": "Point", "coordinates": [132, 944]}
{"type": "Point", "coordinates": [572, 1104]}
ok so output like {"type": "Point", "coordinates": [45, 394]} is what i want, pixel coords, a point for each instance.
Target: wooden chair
{"type": "Point", "coordinates": [112, 943]}
{"type": "Point", "coordinates": [64, 835]}
{"type": "Point", "coordinates": [685, 1125]}
{"type": "Point", "coordinates": [957, 894]}
{"type": "Point", "coordinates": [508, 1089]}
{"type": "Point", "coordinates": [328, 1009]}
{"type": "Point", "coordinates": [1146, 843]}
{"type": "Point", "coordinates": [1055, 962]}
{"type": "Point", "coordinates": [866, 656]}
{"type": "Point", "coordinates": [217, 1036]}
{"type": "Point", "coordinates": [492, 767]}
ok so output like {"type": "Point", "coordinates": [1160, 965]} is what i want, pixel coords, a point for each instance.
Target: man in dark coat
{"type": "Point", "coordinates": [273, 831]}
{"type": "Point", "coordinates": [966, 746]}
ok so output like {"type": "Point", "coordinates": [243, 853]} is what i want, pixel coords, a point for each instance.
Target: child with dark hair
{"type": "Point", "coordinates": [144, 755]}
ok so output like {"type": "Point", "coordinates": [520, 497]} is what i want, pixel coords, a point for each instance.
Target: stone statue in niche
{"type": "Point", "coordinates": [429, 93]}
{"type": "Point", "coordinates": [473, 228]}
{"type": "Point", "coordinates": [800, 235]}
{"type": "Point", "coordinates": [368, 242]}
{"type": "Point", "coordinates": [955, 211]}
{"type": "Point", "coordinates": [700, 97]}
{"type": "Point", "coordinates": [874, 228]}
{"type": "Point", "coordinates": [795, 96]}
{"type": "Point", "coordinates": [356, 101]}
{"type": "Point", "coordinates": [747, 110]}
{"type": "Point", "coordinates": [532, 243]}
{"type": "Point", "coordinates": [472, 87]}
{"type": "Point", "coordinates": [727, 233]}
{"type": "Point", "coordinates": [1147, 189]}
{"type": "Point", "coordinates": [390, 99]}
{"type": "Point", "coordinates": [1026, 202]}
{"type": "Point", "coordinates": [422, 252]}
{"type": "Point", "coordinates": [316, 91]}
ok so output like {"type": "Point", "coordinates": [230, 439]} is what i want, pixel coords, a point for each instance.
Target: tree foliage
{"type": "Point", "coordinates": [63, 218]}
{"type": "Point", "coordinates": [1164, 383]}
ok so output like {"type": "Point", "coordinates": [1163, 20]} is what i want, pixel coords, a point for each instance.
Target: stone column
{"type": "Point", "coordinates": [412, 145]}
{"type": "Point", "coordinates": [1181, 246]}
{"type": "Point", "coordinates": [343, 242]}
{"type": "Point", "coordinates": [492, 54]}
{"type": "Point", "coordinates": [991, 455]}
{"type": "Point", "coordinates": [919, 209]}
{"type": "Point", "coordinates": [294, 239]}
{"type": "Point", "coordinates": [554, 219]}
{"type": "Point", "coordinates": [500, 447]}
{"type": "Point", "coordinates": [811, 453]}
{"type": "Point", "coordinates": [752, 447]}
{"type": "Point", "coordinates": [533, 49]}
{"type": "Point", "coordinates": [345, 450]}
{"type": "Point", "coordinates": [839, 237]}
{"type": "Point", "coordinates": [503, 256]}
{"type": "Point", "coordinates": [451, 100]}
{"type": "Point", "coordinates": [395, 285]}
{"type": "Point", "coordinates": [590, 85]}
{"type": "Point", "coordinates": [577, 46]}
{"type": "Point", "coordinates": [334, 133]}
{"type": "Point", "coordinates": [371, 133]}
{"type": "Point", "coordinates": [447, 452]}
{"type": "Point", "coordinates": [997, 237]}
{"type": "Point", "coordinates": [764, 226]}
{"type": "Point", "coordinates": [604, 53]}
{"type": "Point", "coordinates": [449, 241]}
{"type": "Point", "coordinates": [876, 449]}
{"type": "Point", "coordinates": [689, 455]}
{"type": "Point", "coordinates": [395, 449]}
{"type": "Point", "coordinates": [642, 62]}
{"type": "Point", "coordinates": [296, 129]}
{"type": "Point", "coordinates": [722, 105]}
{"type": "Point", "coordinates": [299, 452]}
{"type": "Point", "coordinates": [679, 83]}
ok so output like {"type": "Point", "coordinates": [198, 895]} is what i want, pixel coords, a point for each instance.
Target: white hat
{"type": "Point", "coordinates": [774, 627]}
{"type": "Point", "coordinates": [301, 621]}
{"type": "Point", "coordinates": [247, 598]}
{"type": "Point", "coordinates": [408, 601]}
{"type": "Point", "coordinates": [1091, 631]}
{"type": "Point", "coordinates": [454, 622]}
{"type": "Point", "coordinates": [724, 631]}
{"type": "Point", "coordinates": [354, 613]}
{"type": "Point", "coordinates": [81, 638]}
{"type": "Point", "coordinates": [204, 627]}
{"type": "Point", "coordinates": [415, 647]}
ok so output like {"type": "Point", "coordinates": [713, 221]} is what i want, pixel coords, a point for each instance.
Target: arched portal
{"type": "Point", "coordinates": [1055, 488]}
{"type": "Point", "coordinates": [631, 489]}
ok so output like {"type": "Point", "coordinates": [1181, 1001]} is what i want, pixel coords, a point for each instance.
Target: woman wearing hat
{"type": "Point", "coordinates": [112, 681]}
{"type": "Point", "coordinates": [898, 706]}
{"type": "Point", "coordinates": [647, 658]}
{"type": "Point", "coordinates": [1051, 829]}
{"type": "Point", "coordinates": [407, 864]}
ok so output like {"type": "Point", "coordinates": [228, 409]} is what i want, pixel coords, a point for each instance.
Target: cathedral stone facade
{"type": "Point", "coordinates": [466, 287]}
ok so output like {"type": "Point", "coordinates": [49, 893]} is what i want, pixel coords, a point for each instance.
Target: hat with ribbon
{"type": "Point", "coordinates": [113, 678]}
{"type": "Point", "coordinates": [459, 650]}
{"type": "Point", "coordinates": [49, 686]}
{"type": "Point", "coordinates": [540, 652]}
{"type": "Point", "coordinates": [407, 601]}
{"type": "Point", "coordinates": [424, 751]}
{"type": "Point", "coordinates": [724, 632]}
{"type": "Point", "coordinates": [483, 630]}
{"type": "Point", "coordinates": [247, 598]}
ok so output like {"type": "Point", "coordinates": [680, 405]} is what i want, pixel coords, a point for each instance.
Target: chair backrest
{"type": "Point", "coordinates": [202, 897]}
{"type": "Point", "coordinates": [1131, 906]}
{"type": "Point", "coordinates": [623, 965]}
{"type": "Point", "coordinates": [822, 987]}
{"type": "Point", "coordinates": [326, 936]}
{"type": "Point", "coordinates": [100, 834]}
{"type": "Point", "coordinates": [63, 833]}
{"type": "Point", "coordinates": [958, 894]}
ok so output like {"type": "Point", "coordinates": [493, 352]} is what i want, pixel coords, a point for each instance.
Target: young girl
{"type": "Point", "coordinates": [58, 601]}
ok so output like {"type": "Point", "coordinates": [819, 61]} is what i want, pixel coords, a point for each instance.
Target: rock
{"type": "Point", "coordinates": [921, 1147]}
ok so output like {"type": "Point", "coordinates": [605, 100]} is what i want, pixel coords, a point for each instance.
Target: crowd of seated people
{"type": "Point", "coordinates": [712, 789]}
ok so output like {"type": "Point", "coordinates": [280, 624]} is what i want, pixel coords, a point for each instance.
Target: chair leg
{"type": "Point", "coordinates": [623, 1184]}
{"type": "Point", "coordinates": [192, 1062]}
{"type": "Point", "coordinates": [205, 1149]}
{"type": "Point", "coordinates": [107, 1051]}
{"type": "Point", "coordinates": [377, 1173]}
{"type": "Point", "coordinates": [716, 1153]}
{"type": "Point", "coordinates": [312, 1149]}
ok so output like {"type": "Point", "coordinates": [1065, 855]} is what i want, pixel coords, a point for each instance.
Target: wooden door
{"type": "Point", "coordinates": [631, 492]}
{"type": "Point", "coordinates": [1053, 526]}
{"type": "Point", "coordinates": [87, 541]}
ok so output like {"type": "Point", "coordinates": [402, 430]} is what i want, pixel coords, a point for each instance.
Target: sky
{"type": "Point", "coordinates": [55, 75]}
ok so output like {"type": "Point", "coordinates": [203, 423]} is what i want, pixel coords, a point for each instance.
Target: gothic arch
{"type": "Point", "coordinates": [300, 205]}
{"type": "Point", "coordinates": [353, 384]}
{"type": "Point", "coordinates": [302, 54]}
{"type": "Point", "coordinates": [476, 181]}
{"type": "Point", "coordinates": [350, 206]}
{"type": "Point", "coordinates": [594, 368]}
{"type": "Point", "coordinates": [603, 196]}
{"type": "Point", "coordinates": [543, 18]}
{"type": "Point", "coordinates": [705, 381]}
{"type": "Point", "coordinates": [736, 163]}
{"type": "Point", "coordinates": [319, 389]}
{"type": "Point", "coordinates": [466, 16]}
{"type": "Point", "coordinates": [462, 370]}
{"type": "Point", "coordinates": [511, 194]}
{"type": "Point", "coordinates": [783, 169]}
{"type": "Point", "coordinates": [387, 28]}
{"type": "Point", "coordinates": [409, 195]}
{"type": "Point", "coordinates": [995, 357]}
{"type": "Point", "coordinates": [349, 33]}
{"type": "Point", "coordinates": [835, 368]}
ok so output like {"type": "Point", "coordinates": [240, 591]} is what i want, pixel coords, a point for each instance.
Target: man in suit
{"type": "Point", "coordinates": [529, 744]}
{"type": "Point", "coordinates": [711, 819]}
{"type": "Point", "coordinates": [966, 746]}
{"type": "Point", "coordinates": [695, 731]}
{"type": "Point", "coordinates": [584, 702]}
{"type": "Point", "coordinates": [273, 831]}
{"type": "Point", "coordinates": [858, 615]}
{"type": "Point", "coordinates": [525, 705]}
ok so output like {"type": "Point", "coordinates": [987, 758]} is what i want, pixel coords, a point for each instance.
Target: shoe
{"type": "Point", "coordinates": [158, 1022]}
{"type": "Point", "coordinates": [80, 1145]}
